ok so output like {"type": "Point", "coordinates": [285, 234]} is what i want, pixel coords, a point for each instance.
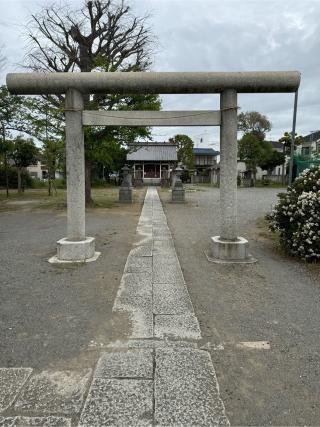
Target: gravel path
{"type": "Point", "coordinates": [57, 316]}
{"type": "Point", "coordinates": [259, 323]}
{"type": "Point", "coordinates": [276, 300]}
{"type": "Point", "coordinates": [158, 376]}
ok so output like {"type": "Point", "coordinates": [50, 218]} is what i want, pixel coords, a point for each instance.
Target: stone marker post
{"type": "Point", "coordinates": [165, 181]}
{"type": "Point", "coordinates": [138, 180]}
{"type": "Point", "coordinates": [228, 247]}
{"type": "Point", "coordinates": [76, 246]}
{"type": "Point", "coordinates": [125, 191]}
{"type": "Point", "coordinates": [178, 192]}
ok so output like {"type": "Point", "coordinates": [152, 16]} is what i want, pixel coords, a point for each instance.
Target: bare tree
{"type": "Point", "coordinates": [102, 36]}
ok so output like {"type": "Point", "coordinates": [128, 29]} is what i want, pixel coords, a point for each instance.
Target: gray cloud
{"type": "Point", "coordinates": [212, 35]}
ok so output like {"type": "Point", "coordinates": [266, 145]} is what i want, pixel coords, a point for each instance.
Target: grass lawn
{"type": "Point", "coordinates": [30, 199]}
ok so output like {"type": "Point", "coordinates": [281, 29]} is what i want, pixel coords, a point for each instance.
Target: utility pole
{"type": "Point", "coordinates": [293, 134]}
{"type": "Point", "coordinates": [5, 158]}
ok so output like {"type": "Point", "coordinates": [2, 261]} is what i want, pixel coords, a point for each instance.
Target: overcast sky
{"type": "Point", "coordinates": [215, 35]}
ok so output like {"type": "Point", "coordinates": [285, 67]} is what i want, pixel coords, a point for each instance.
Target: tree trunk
{"type": "Point", "coordinates": [49, 185]}
{"type": "Point", "coordinates": [6, 173]}
{"type": "Point", "coordinates": [19, 180]}
{"type": "Point", "coordinates": [5, 159]}
{"type": "Point", "coordinates": [49, 182]}
{"type": "Point", "coordinates": [89, 201]}
{"type": "Point", "coordinates": [283, 166]}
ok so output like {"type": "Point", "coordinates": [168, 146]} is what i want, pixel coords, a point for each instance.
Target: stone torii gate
{"type": "Point", "coordinates": [228, 246]}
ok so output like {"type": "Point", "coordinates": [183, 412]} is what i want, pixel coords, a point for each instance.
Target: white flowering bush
{"type": "Point", "coordinates": [296, 216]}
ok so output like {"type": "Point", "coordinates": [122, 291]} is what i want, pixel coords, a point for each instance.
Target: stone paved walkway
{"type": "Point", "coordinates": [157, 377]}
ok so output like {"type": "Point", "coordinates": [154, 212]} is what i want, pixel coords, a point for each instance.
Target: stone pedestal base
{"type": "Point", "coordinates": [75, 251]}
{"type": "Point", "coordinates": [227, 251]}
{"type": "Point", "coordinates": [165, 183]}
{"type": "Point", "coordinates": [138, 183]}
{"type": "Point", "coordinates": [125, 195]}
{"type": "Point", "coordinates": [178, 195]}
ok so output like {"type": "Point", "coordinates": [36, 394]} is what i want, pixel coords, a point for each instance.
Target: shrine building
{"type": "Point", "coordinates": [156, 160]}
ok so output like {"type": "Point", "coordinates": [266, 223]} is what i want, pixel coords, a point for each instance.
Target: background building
{"type": "Point", "coordinates": [310, 145]}
{"type": "Point", "coordinates": [155, 160]}
{"type": "Point", "coordinates": [205, 159]}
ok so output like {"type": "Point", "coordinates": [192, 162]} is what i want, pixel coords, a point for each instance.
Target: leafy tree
{"type": "Point", "coordinates": [52, 156]}
{"type": "Point", "coordinates": [12, 113]}
{"type": "Point", "coordinates": [24, 153]}
{"type": "Point", "coordinates": [102, 36]}
{"type": "Point", "coordinates": [250, 151]}
{"type": "Point", "coordinates": [45, 121]}
{"type": "Point", "coordinates": [270, 158]}
{"type": "Point", "coordinates": [255, 152]}
{"type": "Point", "coordinates": [185, 150]}
{"type": "Point", "coordinates": [110, 157]}
{"type": "Point", "coordinates": [286, 140]}
{"type": "Point", "coordinates": [5, 148]}
{"type": "Point", "coordinates": [255, 123]}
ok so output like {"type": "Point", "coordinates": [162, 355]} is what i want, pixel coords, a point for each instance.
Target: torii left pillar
{"type": "Point", "coordinates": [76, 247]}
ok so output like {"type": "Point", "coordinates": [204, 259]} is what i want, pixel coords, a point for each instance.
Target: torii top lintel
{"type": "Point", "coordinates": [153, 82]}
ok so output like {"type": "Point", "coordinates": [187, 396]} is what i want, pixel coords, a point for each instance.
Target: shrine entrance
{"type": "Point", "coordinates": [228, 246]}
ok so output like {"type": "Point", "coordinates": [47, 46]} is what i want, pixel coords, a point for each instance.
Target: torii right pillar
{"type": "Point", "coordinates": [229, 247]}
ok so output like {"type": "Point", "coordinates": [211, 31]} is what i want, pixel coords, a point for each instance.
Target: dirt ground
{"type": "Point", "coordinates": [52, 316]}
{"type": "Point", "coordinates": [275, 300]}
{"type": "Point", "coordinates": [60, 317]}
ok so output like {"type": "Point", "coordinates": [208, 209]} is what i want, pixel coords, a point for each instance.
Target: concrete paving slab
{"type": "Point", "coordinates": [145, 230]}
{"type": "Point", "coordinates": [139, 311]}
{"type": "Point", "coordinates": [135, 298]}
{"type": "Point", "coordinates": [11, 382]}
{"type": "Point", "coordinates": [145, 219]}
{"type": "Point", "coordinates": [151, 343]}
{"type": "Point", "coordinates": [186, 389]}
{"type": "Point", "coordinates": [159, 307]}
{"type": "Point", "coordinates": [185, 326]}
{"type": "Point", "coordinates": [159, 226]}
{"type": "Point", "coordinates": [135, 284]}
{"type": "Point", "coordinates": [171, 298]}
{"type": "Point", "coordinates": [143, 240]}
{"type": "Point", "coordinates": [54, 392]}
{"type": "Point", "coordinates": [136, 264]}
{"type": "Point", "coordinates": [157, 211]}
{"type": "Point", "coordinates": [167, 273]}
{"type": "Point", "coordinates": [166, 258]}
{"type": "Point", "coordinates": [124, 364]}
{"type": "Point", "coordinates": [142, 251]}
{"type": "Point", "coordinates": [7, 421]}
{"type": "Point", "coordinates": [35, 422]}
{"type": "Point", "coordinates": [164, 247]}
{"type": "Point", "coordinates": [162, 237]}
{"type": "Point", "coordinates": [114, 402]}
{"type": "Point", "coordinates": [161, 232]}
{"type": "Point", "coordinates": [159, 219]}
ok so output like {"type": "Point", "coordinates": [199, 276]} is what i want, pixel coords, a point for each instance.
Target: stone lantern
{"type": "Point", "coordinates": [125, 191]}
{"type": "Point", "coordinates": [178, 192]}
